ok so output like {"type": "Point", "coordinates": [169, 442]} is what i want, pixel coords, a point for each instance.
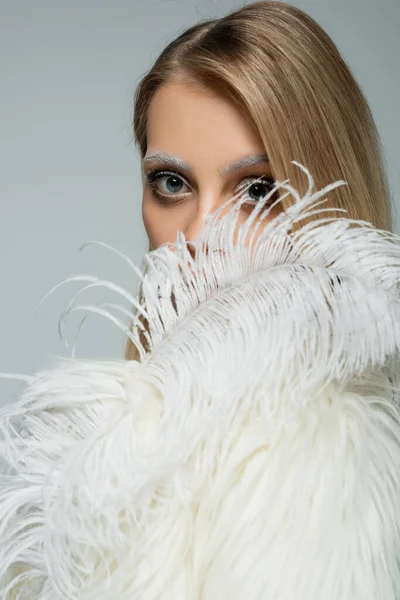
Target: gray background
{"type": "Point", "coordinates": [69, 170]}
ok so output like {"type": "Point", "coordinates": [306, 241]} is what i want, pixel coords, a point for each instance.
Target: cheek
{"type": "Point", "coordinates": [257, 228]}
{"type": "Point", "coordinates": [146, 216]}
{"type": "Point", "coordinates": [151, 224]}
{"type": "Point", "coordinates": [159, 225]}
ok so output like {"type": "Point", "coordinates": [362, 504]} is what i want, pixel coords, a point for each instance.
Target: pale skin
{"type": "Point", "coordinates": [209, 135]}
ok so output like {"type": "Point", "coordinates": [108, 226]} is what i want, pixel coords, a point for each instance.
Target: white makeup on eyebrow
{"type": "Point", "coordinates": [176, 163]}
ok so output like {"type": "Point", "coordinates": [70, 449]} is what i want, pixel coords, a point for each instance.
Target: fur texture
{"type": "Point", "coordinates": [252, 453]}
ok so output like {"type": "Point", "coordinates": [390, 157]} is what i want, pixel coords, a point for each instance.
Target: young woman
{"type": "Point", "coordinates": [248, 447]}
{"type": "Point", "coordinates": [265, 80]}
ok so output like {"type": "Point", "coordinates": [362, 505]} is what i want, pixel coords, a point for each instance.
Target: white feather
{"type": "Point", "coordinates": [253, 452]}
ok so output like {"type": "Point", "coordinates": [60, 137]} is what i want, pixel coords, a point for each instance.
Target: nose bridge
{"type": "Point", "coordinates": [204, 205]}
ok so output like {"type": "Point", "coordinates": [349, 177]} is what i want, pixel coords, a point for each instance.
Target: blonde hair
{"type": "Point", "coordinates": [287, 76]}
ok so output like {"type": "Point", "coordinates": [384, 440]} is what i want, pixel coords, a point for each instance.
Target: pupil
{"type": "Point", "coordinates": [176, 183]}
{"type": "Point", "coordinates": [260, 190]}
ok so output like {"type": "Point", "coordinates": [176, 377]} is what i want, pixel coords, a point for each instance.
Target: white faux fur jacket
{"type": "Point", "coordinates": [252, 453]}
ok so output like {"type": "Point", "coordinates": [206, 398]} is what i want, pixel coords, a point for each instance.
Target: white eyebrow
{"type": "Point", "coordinates": [175, 162]}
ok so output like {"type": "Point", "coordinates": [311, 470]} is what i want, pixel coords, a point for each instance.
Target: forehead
{"type": "Point", "coordinates": [183, 115]}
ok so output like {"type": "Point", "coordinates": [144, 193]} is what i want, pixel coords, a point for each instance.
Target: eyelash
{"type": "Point", "coordinates": [156, 174]}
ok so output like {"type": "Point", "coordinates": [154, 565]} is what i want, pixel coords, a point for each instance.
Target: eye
{"type": "Point", "coordinates": [166, 183]}
{"type": "Point", "coordinates": [169, 186]}
{"type": "Point", "coordinates": [258, 190]}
